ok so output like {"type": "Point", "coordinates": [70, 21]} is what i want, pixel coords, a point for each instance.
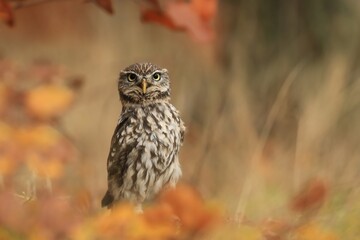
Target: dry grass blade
{"type": "Point", "coordinates": [264, 136]}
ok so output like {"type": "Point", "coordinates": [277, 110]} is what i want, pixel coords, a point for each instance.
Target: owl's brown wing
{"type": "Point", "coordinates": [114, 164]}
{"type": "Point", "coordinates": [182, 130]}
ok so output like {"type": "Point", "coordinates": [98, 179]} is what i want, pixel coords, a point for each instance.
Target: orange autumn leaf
{"type": "Point", "coordinates": [153, 232]}
{"type": "Point", "coordinates": [52, 168]}
{"type": "Point", "coordinates": [114, 224]}
{"type": "Point", "coordinates": [106, 5]}
{"type": "Point", "coordinates": [43, 149]}
{"type": "Point", "coordinates": [48, 101]}
{"type": "Point", "coordinates": [188, 205]}
{"type": "Point", "coordinates": [311, 231]}
{"type": "Point", "coordinates": [6, 13]}
{"type": "Point", "coordinates": [44, 136]}
{"type": "Point", "coordinates": [161, 221]}
{"type": "Point", "coordinates": [123, 223]}
{"type": "Point", "coordinates": [41, 136]}
{"type": "Point", "coordinates": [48, 141]}
{"type": "Point", "coordinates": [7, 165]}
{"type": "Point", "coordinates": [160, 213]}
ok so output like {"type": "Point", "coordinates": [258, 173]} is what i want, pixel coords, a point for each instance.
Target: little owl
{"type": "Point", "coordinates": [145, 146]}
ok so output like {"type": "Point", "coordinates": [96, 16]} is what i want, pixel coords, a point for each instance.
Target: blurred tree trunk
{"type": "Point", "coordinates": [271, 36]}
{"type": "Point", "coordinates": [260, 44]}
{"type": "Point", "coordinates": [269, 27]}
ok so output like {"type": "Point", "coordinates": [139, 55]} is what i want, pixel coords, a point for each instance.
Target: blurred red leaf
{"type": "Point", "coordinates": [185, 16]}
{"type": "Point", "coordinates": [159, 17]}
{"type": "Point", "coordinates": [6, 13]}
{"type": "Point", "coordinates": [195, 17]}
{"type": "Point", "coordinates": [106, 5]}
{"type": "Point", "coordinates": [188, 205]}
{"type": "Point", "coordinates": [205, 8]}
{"type": "Point", "coordinates": [311, 197]}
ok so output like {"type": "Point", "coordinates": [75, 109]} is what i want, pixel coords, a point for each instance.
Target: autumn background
{"type": "Point", "coordinates": [269, 92]}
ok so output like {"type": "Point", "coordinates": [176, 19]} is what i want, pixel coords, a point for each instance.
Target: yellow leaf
{"type": "Point", "coordinates": [312, 231]}
{"type": "Point", "coordinates": [49, 101]}
{"type": "Point", "coordinates": [50, 167]}
{"type": "Point", "coordinates": [41, 136]}
{"type": "Point", "coordinates": [45, 135]}
{"type": "Point", "coordinates": [159, 223]}
{"type": "Point", "coordinates": [118, 223]}
{"type": "Point", "coordinates": [7, 165]}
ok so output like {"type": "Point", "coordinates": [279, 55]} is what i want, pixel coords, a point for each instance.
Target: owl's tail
{"type": "Point", "coordinates": [107, 200]}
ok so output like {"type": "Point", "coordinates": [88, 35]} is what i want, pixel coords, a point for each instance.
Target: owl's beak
{"type": "Point", "coordinates": [144, 83]}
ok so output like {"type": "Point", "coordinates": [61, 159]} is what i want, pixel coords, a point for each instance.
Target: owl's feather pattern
{"type": "Point", "coordinates": [144, 149]}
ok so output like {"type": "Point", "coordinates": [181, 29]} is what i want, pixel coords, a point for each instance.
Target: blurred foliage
{"type": "Point", "coordinates": [195, 16]}
{"type": "Point", "coordinates": [31, 140]}
{"type": "Point", "coordinates": [273, 109]}
{"type": "Point", "coordinates": [32, 102]}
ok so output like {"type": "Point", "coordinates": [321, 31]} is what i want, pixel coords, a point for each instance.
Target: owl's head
{"type": "Point", "coordinates": [143, 83]}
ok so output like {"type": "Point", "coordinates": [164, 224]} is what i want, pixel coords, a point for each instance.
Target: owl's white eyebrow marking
{"type": "Point", "coordinates": [156, 71]}
{"type": "Point", "coordinates": [127, 72]}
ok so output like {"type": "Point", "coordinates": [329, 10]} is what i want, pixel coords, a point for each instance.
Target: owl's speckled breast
{"type": "Point", "coordinates": [154, 132]}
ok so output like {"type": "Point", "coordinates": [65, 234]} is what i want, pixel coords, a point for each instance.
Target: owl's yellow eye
{"type": "Point", "coordinates": [156, 76]}
{"type": "Point", "coordinates": [131, 77]}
